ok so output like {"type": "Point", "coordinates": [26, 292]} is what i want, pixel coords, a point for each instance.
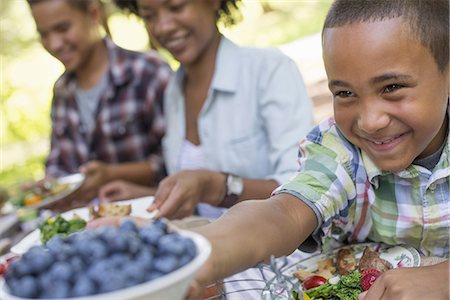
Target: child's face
{"type": "Point", "coordinates": [390, 99]}
{"type": "Point", "coordinates": [186, 28]}
{"type": "Point", "coordinates": [66, 32]}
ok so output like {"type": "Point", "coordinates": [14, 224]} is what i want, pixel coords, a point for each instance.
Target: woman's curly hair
{"type": "Point", "coordinates": [228, 12]}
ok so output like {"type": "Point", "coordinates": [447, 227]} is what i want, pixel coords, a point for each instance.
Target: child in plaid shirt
{"type": "Point", "coordinates": [107, 116]}
{"type": "Point", "coordinates": [379, 170]}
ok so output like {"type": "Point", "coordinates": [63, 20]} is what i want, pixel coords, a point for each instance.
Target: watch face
{"type": "Point", "coordinates": [235, 185]}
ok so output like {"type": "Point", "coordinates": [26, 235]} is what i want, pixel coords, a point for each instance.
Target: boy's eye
{"type": "Point", "coordinates": [391, 88]}
{"type": "Point", "coordinates": [344, 94]}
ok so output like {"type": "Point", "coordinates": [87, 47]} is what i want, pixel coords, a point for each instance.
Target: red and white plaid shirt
{"type": "Point", "coordinates": [129, 121]}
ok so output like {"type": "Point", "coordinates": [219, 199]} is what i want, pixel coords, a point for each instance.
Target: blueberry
{"type": "Point", "coordinates": [96, 249]}
{"type": "Point", "coordinates": [161, 224]}
{"type": "Point", "coordinates": [26, 287]}
{"type": "Point", "coordinates": [153, 275]}
{"type": "Point", "coordinates": [97, 271]}
{"type": "Point", "coordinates": [19, 268]}
{"type": "Point", "coordinates": [59, 289]}
{"type": "Point", "coordinates": [128, 226]}
{"type": "Point", "coordinates": [184, 260]}
{"type": "Point", "coordinates": [118, 260]}
{"type": "Point", "coordinates": [172, 244]}
{"type": "Point", "coordinates": [39, 261]}
{"type": "Point", "coordinates": [145, 257]}
{"type": "Point", "coordinates": [118, 244]}
{"type": "Point", "coordinates": [133, 242]}
{"type": "Point", "coordinates": [134, 272]}
{"type": "Point", "coordinates": [77, 264]}
{"type": "Point", "coordinates": [165, 264]}
{"type": "Point", "coordinates": [190, 247]}
{"type": "Point", "coordinates": [61, 270]}
{"type": "Point", "coordinates": [45, 281]}
{"type": "Point", "coordinates": [112, 281]}
{"type": "Point", "coordinates": [150, 234]}
{"type": "Point", "coordinates": [83, 287]}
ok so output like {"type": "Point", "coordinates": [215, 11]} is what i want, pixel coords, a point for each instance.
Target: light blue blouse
{"type": "Point", "coordinates": [256, 112]}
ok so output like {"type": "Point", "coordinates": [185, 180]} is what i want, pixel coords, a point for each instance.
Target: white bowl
{"type": "Point", "coordinates": [173, 286]}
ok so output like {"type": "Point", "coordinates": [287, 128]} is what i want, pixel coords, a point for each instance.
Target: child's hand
{"type": "Point", "coordinates": [411, 283]}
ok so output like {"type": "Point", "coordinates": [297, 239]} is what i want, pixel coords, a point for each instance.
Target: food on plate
{"type": "Point", "coordinates": [36, 195]}
{"type": "Point", "coordinates": [314, 281]}
{"type": "Point", "coordinates": [101, 260]}
{"type": "Point", "coordinates": [109, 210]}
{"type": "Point", "coordinates": [351, 277]}
{"type": "Point", "coordinates": [345, 261]}
{"type": "Point", "coordinates": [58, 225]}
{"type": "Point", "coordinates": [371, 260]}
{"type": "Point", "coordinates": [325, 268]}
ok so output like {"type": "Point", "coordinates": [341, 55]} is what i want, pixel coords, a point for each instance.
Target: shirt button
{"type": "Point", "coordinates": [432, 187]}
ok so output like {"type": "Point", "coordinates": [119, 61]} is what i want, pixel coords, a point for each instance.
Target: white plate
{"type": "Point", "coordinates": [138, 209]}
{"type": "Point", "coordinates": [74, 181]}
{"type": "Point", "coordinates": [397, 256]}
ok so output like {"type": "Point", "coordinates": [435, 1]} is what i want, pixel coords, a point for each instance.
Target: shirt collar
{"type": "Point", "coordinates": [120, 66]}
{"type": "Point", "coordinates": [226, 74]}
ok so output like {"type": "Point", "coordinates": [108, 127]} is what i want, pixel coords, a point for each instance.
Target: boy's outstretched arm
{"type": "Point", "coordinates": [431, 282]}
{"type": "Point", "coordinates": [251, 231]}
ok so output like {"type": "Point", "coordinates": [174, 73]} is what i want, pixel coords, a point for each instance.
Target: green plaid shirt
{"type": "Point", "coordinates": [355, 201]}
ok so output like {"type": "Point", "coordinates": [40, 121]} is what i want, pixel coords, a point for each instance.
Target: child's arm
{"type": "Point", "coordinates": [430, 282]}
{"type": "Point", "coordinates": [251, 231]}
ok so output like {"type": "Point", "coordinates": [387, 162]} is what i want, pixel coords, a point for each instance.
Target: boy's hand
{"type": "Point", "coordinates": [411, 283]}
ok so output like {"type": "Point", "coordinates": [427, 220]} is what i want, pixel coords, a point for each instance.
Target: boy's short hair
{"type": "Point", "coordinates": [428, 19]}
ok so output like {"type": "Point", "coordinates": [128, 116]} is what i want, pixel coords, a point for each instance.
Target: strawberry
{"type": "Point", "coordinates": [368, 278]}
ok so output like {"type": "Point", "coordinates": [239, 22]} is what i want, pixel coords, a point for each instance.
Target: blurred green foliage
{"type": "Point", "coordinates": [28, 72]}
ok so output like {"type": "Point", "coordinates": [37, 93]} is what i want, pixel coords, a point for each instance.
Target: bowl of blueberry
{"type": "Point", "coordinates": [151, 262]}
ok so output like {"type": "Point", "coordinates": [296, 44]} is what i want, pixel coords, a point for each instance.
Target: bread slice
{"type": "Point", "coordinates": [109, 210]}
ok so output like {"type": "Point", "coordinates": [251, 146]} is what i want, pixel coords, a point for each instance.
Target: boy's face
{"type": "Point", "coordinates": [66, 32]}
{"type": "Point", "coordinates": [390, 99]}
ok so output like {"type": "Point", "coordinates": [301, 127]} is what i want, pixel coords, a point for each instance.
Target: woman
{"type": "Point", "coordinates": [107, 106]}
{"type": "Point", "coordinates": [233, 114]}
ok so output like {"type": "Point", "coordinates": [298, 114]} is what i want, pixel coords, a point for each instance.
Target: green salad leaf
{"type": "Point", "coordinates": [58, 225]}
{"type": "Point", "coordinates": [348, 288]}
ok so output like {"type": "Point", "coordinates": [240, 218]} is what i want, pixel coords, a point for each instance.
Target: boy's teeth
{"type": "Point", "coordinates": [384, 142]}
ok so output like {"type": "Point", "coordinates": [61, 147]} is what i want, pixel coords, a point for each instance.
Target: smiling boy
{"type": "Point", "coordinates": [380, 169]}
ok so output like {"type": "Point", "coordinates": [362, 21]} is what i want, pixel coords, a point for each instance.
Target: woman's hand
{"type": "Point", "coordinates": [178, 195]}
{"type": "Point", "coordinates": [123, 190]}
{"type": "Point", "coordinates": [411, 283]}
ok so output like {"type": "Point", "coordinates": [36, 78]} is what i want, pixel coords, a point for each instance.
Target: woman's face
{"type": "Point", "coordinates": [186, 28]}
{"type": "Point", "coordinates": [66, 32]}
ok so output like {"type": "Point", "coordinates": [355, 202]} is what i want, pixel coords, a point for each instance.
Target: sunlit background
{"type": "Point", "coordinates": [28, 71]}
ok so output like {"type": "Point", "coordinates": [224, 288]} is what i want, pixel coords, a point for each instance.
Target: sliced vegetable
{"type": "Point", "coordinates": [368, 278]}
{"type": "Point", "coordinates": [313, 281]}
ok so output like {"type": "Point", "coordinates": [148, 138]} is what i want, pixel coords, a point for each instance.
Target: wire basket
{"type": "Point", "coordinates": [265, 281]}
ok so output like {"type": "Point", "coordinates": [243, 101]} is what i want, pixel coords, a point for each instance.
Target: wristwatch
{"type": "Point", "coordinates": [234, 185]}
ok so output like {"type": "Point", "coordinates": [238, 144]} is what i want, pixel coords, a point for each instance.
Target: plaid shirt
{"type": "Point", "coordinates": [128, 120]}
{"type": "Point", "coordinates": [355, 201]}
